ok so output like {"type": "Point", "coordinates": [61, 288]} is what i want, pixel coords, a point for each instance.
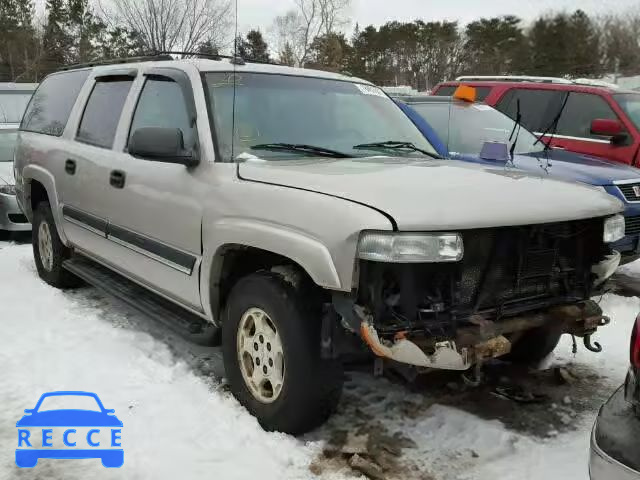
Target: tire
{"type": "Point", "coordinates": [534, 345]}
{"type": "Point", "coordinates": [49, 263]}
{"type": "Point", "coordinates": [311, 386]}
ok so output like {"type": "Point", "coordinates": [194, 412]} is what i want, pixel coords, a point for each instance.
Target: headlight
{"type": "Point", "coordinates": [613, 229]}
{"type": "Point", "coordinates": [410, 247]}
{"type": "Point", "coordinates": [8, 189]}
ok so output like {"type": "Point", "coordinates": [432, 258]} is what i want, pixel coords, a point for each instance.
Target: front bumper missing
{"type": "Point", "coordinates": [473, 344]}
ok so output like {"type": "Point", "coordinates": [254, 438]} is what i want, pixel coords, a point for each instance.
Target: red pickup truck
{"type": "Point", "coordinates": [590, 117]}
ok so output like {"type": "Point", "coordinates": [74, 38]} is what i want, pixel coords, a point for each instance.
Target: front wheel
{"type": "Point", "coordinates": [48, 250]}
{"type": "Point", "coordinates": [271, 350]}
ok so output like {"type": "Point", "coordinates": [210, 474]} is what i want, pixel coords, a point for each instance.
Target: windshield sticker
{"type": "Point", "coordinates": [370, 90]}
{"type": "Point", "coordinates": [483, 108]}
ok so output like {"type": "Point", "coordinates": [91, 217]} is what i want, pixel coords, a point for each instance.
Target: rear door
{"type": "Point", "coordinates": [88, 159]}
{"type": "Point", "coordinates": [574, 129]}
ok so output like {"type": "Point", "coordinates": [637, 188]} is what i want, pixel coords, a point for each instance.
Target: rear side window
{"type": "Point", "coordinates": [580, 111]}
{"type": "Point", "coordinates": [537, 107]}
{"type": "Point", "coordinates": [449, 90]}
{"type": "Point", "coordinates": [102, 112]}
{"type": "Point", "coordinates": [51, 105]}
{"type": "Point", "coordinates": [162, 104]}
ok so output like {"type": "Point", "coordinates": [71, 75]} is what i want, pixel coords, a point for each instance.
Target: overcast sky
{"type": "Point", "coordinates": [260, 13]}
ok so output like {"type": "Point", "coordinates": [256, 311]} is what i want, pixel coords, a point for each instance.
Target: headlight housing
{"type": "Point", "coordinates": [410, 247]}
{"type": "Point", "coordinates": [8, 189]}
{"type": "Point", "coordinates": [613, 229]}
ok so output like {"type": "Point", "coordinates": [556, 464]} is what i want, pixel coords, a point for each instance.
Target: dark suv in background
{"type": "Point", "coordinates": [595, 118]}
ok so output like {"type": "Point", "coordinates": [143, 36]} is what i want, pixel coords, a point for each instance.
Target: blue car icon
{"type": "Point", "coordinates": [38, 423]}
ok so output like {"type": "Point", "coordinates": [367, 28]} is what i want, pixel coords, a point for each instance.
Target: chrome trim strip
{"type": "Point", "coordinates": [151, 255]}
{"type": "Point", "coordinates": [581, 139]}
{"type": "Point", "coordinates": [618, 471]}
{"type": "Point", "coordinates": [84, 225]}
{"type": "Point", "coordinates": [625, 182]}
{"type": "Point", "coordinates": [104, 263]}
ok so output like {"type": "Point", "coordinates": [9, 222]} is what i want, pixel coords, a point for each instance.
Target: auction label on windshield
{"type": "Point", "coordinates": [370, 90]}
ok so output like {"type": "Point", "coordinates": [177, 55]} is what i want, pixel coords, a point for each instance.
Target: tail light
{"type": "Point", "coordinates": [635, 344]}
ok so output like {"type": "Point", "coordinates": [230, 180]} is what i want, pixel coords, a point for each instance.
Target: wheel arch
{"type": "Point", "coordinates": [244, 250]}
{"type": "Point", "coordinates": [39, 185]}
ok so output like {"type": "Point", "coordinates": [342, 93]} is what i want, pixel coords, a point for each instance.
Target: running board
{"type": "Point", "coordinates": [183, 322]}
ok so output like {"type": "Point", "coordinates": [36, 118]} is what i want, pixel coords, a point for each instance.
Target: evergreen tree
{"type": "Point", "coordinates": [255, 46]}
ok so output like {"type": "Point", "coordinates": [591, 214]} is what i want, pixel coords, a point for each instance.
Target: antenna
{"type": "Point", "coordinates": [235, 66]}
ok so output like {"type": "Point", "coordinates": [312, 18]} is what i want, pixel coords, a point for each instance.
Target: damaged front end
{"type": "Point", "coordinates": [455, 299]}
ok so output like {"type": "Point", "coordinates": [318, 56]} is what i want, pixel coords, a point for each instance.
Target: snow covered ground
{"type": "Point", "coordinates": [180, 422]}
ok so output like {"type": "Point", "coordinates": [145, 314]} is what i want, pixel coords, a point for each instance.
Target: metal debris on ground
{"type": "Point", "coordinates": [366, 467]}
{"type": "Point", "coordinates": [519, 394]}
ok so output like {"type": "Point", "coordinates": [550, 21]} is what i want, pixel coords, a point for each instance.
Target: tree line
{"type": "Point", "coordinates": [419, 53]}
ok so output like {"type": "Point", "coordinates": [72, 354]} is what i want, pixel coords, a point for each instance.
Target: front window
{"type": "Point", "coordinates": [465, 128]}
{"type": "Point", "coordinates": [69, 402]}
{"type": "Point", "coordinates": [7, 144]}
{"type": "Point", "coordinates": [13, 105]}
{"type": "Point", "coordinates": [329, 114]}
{"type": "Point", "coordinates": [630, 103]}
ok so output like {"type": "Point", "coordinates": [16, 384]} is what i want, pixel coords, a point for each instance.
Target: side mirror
{"type": "Point", "coordinates": [609, 128]}
{"type": "Point", "coordinates": [28, 410]}
{"type": "Point", "coordinates": [161, 145]}
{"type": "Point", "coordinates": [109, 411]}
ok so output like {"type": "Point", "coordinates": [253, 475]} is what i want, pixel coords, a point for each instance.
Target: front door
{"type": "Point", "coordinates": [154, 217]}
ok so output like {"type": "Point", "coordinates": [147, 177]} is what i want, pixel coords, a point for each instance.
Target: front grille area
{"type": "Point", "coordinates": [629, 191]}
{"type": "Point", "coordinates": [17, 218]}
{"type": "Point", "coordinates": [632, 225]}
{"type": "Point", "coordinates": [504, 272]}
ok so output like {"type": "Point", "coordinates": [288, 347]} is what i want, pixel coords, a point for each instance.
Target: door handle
{"type": "Point", "coordinates": [70, 166]}
{"type": "Point", "coordinates": [116, 178]}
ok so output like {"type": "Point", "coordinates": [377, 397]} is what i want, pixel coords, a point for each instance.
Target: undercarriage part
{"type": "Point", "coordinates": [476, 381]}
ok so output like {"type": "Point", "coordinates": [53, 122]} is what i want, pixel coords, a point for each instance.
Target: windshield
{"type": "Point", "coordinates": [630, 103]}
{"type": "Point", "coordinates": [13, 105]}
{"type": "Point", "coordinates": [465, 127]}
{"type": "Point", "coordinates": [329, 114]}
{"type": "Point", "coordinates": [69, 402]}
{"type": "Point", "coordinates": [7, 144]}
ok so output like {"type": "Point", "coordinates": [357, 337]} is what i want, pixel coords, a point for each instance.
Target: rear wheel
{"type": "Point", "coordinates": [271, 348]}
{"type": "Point", "coordinates": [48, 250]}
{"type": "Point", "coordinates": [534, 345]}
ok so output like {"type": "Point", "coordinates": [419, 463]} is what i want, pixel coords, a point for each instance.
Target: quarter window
{"type": "Point", "coordinates": [162, 105]}
{"type": "Point", "coordinates": [102, 112]}
{"type": "Point", "coordinates": [580, 111]}
{"type": "Point", "coordinates": [51, 105]}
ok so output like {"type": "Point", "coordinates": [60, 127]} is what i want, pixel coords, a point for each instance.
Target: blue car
{"type": "Point", "coordinates": [478, 133]}
{"type": "Point", "coordinates": [37, 425]}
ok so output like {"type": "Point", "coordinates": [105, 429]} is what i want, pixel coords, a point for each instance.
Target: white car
{"type": "Point", "coordinates": [14, 98]}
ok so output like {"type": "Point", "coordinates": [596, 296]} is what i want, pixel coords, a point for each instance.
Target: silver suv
{"type": "Point", "coordinates": [297, 215]}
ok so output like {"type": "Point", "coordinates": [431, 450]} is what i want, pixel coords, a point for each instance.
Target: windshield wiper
{"type": "Point", "coordinates": [394, 145]}
{"type": "Point", "coordinates": [553, 126]}
{"type": "Point", "coordinates": [302, 148]}
{"type": "Point", "coordinates": [516, 131]}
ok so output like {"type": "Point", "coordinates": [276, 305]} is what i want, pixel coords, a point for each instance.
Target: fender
{"type": "Point", "coordinates": [308, 252]}
{"type": "Point", "coordinates": [43, 176]}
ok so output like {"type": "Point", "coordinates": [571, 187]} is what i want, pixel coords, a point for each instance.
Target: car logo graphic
{"type": "Point", "coordinates": [636, 190]}
{"type": "Point", "coordinates": [69, 433]}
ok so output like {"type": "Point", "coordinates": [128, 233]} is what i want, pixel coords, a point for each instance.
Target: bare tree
{"type": "Point", "coordinates": [166, 25]}
{"type": "Point", "coordinates": [298, 28]}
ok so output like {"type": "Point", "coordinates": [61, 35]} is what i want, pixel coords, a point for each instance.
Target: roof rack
{"type": "Point", "coordinates": [591, 82]}
{"type": "Point", "coordinates": [114, 61]}
{"type": "Point", "coordinates": [165, 56]}
{"type": "Point", "coordinates": [512, 78]}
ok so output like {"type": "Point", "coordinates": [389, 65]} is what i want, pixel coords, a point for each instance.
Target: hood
{"type": "Point", "coordinates": [438, 194]}
{"type": "Point", "coordinates": [6, 173]}
{"type": "Point", "coordinates": [568, 166]}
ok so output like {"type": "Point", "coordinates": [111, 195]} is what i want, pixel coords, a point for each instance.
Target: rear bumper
{"type": "Point", "coordinates": [614, 454]}
{"type": "Point", "coordinates": [11, 217]}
